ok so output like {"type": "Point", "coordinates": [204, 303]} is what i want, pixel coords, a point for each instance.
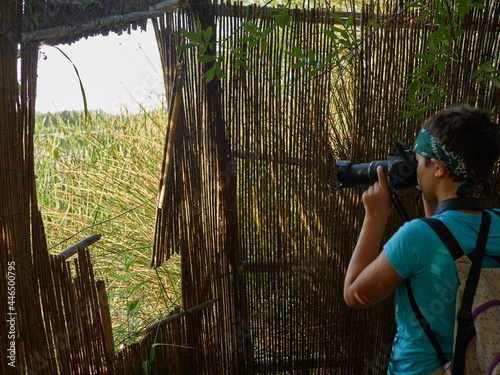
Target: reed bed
{"type": "Point", "coordinates": [99, 175]}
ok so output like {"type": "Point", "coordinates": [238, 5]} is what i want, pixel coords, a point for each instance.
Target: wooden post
{"type": "Point", "coordinates": [161, 248]}
{"type": "Point", "coordinates": [107, 329]}
{"type": "Point", "coordinates": [174, 317]}
{"type": "Point", "coordinates": [172, 128]}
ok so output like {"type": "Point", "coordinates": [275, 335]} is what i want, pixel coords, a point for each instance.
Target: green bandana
{"type": "Point", "coordinates": [428, 146]}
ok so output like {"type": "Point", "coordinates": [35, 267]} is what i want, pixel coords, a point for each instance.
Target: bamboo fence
{"type": "Point", "coordinates": [247, 197]}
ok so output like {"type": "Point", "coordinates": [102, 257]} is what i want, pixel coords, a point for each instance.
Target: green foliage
{"type": "Point", "coordinates": [126, 300]}
{"type": "Point", "coordinates": [344, 42]}
{"type": "Point", "coordinates": [423, 93]}
{"type": "Point", "coordinates": [201, 40]}
{"type": "Point", "coordinates": [255, 37]}
{"type": "Point", "coordinates": [488, 71]}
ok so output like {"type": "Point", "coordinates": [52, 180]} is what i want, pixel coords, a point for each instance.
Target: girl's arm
{"type": "Point", "coordinates": [370, 277]}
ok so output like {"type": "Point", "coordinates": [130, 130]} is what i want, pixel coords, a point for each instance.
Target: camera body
{"type": "Point", "coordinates": [400, 170]}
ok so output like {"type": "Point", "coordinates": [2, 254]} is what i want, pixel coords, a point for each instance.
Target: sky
{"type": "Point", "coordinates": [118, 73]}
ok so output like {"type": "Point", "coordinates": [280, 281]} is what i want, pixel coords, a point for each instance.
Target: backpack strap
{"type": "Point", "coordinates": [425, 325]}
{"type": "Point", "coordinates": [446, 237]}
{"type": "Point", "coordinates": [456, 252]}
{"type": "Point", "coordinates": [449, 240]}
{"type": "Point", "coordinates": [464, 315]}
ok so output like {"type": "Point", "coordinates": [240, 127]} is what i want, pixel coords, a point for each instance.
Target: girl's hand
{"type": "Point", "coordinates": [378, 198]}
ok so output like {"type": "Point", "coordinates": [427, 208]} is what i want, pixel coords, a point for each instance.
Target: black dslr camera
{"type": "Point", "coordinates": [400, 170]}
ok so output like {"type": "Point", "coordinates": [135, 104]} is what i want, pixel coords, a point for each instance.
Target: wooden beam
{"type": "Point", "coordinates": [70, 251]}
{"type": "Point", "coordinates": [173, 317]}
{"type": "Point", "coordinates": [155, 10]}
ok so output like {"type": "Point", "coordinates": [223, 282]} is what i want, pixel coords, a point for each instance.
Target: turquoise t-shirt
{"type": "Point", "coordinates": [416, 253]}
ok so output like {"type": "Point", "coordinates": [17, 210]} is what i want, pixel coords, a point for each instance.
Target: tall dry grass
{"type": "Point", "coordinates": [100, 175]}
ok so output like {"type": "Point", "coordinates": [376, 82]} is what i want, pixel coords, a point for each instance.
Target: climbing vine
{"type": "Point", "coordinates": [422, 93]}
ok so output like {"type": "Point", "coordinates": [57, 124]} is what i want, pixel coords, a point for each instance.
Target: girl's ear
{"type": "Point", "coordinates": [439, 169]}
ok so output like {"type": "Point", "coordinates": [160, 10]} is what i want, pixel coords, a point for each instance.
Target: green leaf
{"type": "Point", "coordinates": [337, 18]}
{"type": "Point", "coordinates": [210, 74]}
{"type": "Point", "coordinates": [243, 65]}
{"type": "Point", "coordinates": [332, 55]}
{"type": "Point", "coordinates": [202, 50]}
{"type": "Point", "coordinates": [252, 29]}
{"type": "Point", "coordinates": [330, 34]}
{"type": "Point", "coordinates": [84, 96]}
{"type": "Point", "coordinates": [350, 20]}
{"type": "Point", "coordinates": [440, 67]}
{"type": "Point", "coordinates": [423, 14]}
{"type": "Point", "coordinates": [132, 306]}
{"type": "Point", "coordinates": [488, 67]}
{"type": "Point", "coordinates": [193, 37]}
{"type": "Point", "coordinates": [207, 58]}
{"type": "Point", "coordinates": [137, 286]}
{"type": "Point", "coordinates": [246, 39]}
{"type": "Point", "coordinates": [409, 114]}
{"type": "Point", "coordinates": [299, 65]}
{"type": "Point", "coordinates": [311, 56]}
{"type": "Point", "coordinates": [207, 34]}
{"type": "Point", "coordinates": [218, 71]}
{"type": "Point", "coordinates": [286, 19]}
{"type": "Point", "coordinates": [119, 277]}
{"type": "Point", "coordinates": [263, 45]}
{"type": "Point", "coordinates": [186, 46]}
{"type": "Point", "coordinates": [116, 294]}
{"type": "Point", "coordinates": [495, 81]}
{"type": "Point", "coordinates": [199, 30]}
{"type": "Point", "coordinates": [129, 264]}
{"type": "Point", "coordinates": [298, 51]}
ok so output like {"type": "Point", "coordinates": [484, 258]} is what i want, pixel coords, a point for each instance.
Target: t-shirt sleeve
{"type": "Point", "coordinates": [402, 249]}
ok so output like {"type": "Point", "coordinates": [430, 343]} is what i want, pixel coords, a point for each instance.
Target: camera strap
{"type": "Point", "coordinates": [399, 207]}
{"type": "Point", "coordinates": [459, 203]}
